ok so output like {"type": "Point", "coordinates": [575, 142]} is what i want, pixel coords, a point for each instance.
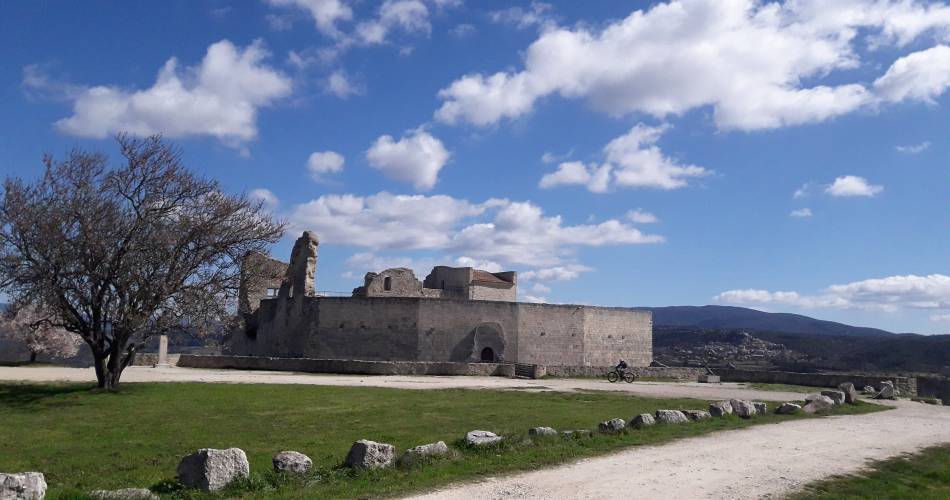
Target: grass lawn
{"type": "Point", "coordinates": [84, 440]}
{"type": "Point", "coordinates": [804, 389]}
{"type": "Point", "coordinates": [923, 476]}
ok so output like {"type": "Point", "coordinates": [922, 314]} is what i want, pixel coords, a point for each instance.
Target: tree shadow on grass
{"type": "Point", "coordinates": [25, 396]}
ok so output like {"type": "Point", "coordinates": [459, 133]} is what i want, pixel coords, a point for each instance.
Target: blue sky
{"type": "Point", "coordinates": [784, 156]}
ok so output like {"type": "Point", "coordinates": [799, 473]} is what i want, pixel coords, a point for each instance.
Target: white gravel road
{"type": "Point", "coordinates": [766, 461]}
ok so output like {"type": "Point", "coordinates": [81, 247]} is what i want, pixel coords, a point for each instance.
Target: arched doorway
{"type": "Point", "coordinates": [488, 355]}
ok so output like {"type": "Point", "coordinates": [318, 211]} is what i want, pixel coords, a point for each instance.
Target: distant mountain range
{"type": "Point", "coordinates": [741, 318]}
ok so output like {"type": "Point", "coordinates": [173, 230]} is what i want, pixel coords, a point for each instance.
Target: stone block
{"type": "Point", "coordinates": [642, 420]}
{"type": "Point", "coordinates": [542, 431]}
{"type": "Point", "coordinates": [850, 392]}
{"type": "Point", "coordinates": [482, 438]}
{"type": "Point", "coordinates": [742, 408]}
{"type": "Point", "coordinates": [837, 396]}
{"type": "Point", "coordinates": [366, 454]}
{"type": "Point", "coordinates": [612, 425]}
{"type": "Point", "coordinates": [817, 402]}
{"type": "Point", "coordinates": [671, 417]}
{"type": "Point", "coordinates": [761, 408]}
{"type": "Point", "coordinates": [293, 462]}
{"type": "Point", "coordinates": [720, 408]}
{"type": "Point", "coordinates": [697, 414]}
{"type": "Point", "coordinates": [124, 494]}
{"type": "Point", "coordinates": [709, 379]}
{"type": "Point", "coordinates": [788, 409]}
{"type": "Point", "coordinates": [209, 469]}
{"type": "Point", "coordinates": [22, 486]}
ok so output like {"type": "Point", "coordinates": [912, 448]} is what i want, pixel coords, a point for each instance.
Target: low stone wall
{"type": "Point", "coordinates": [907, 385]}
{"type": "Point", "coordinates": [671, 372]}
{"type": "Point", "coordinates": [151, 359]}
{"type": "Point", "coordinates": [346, 366]}
{"type": "Point", "coordinates": [934, 387]}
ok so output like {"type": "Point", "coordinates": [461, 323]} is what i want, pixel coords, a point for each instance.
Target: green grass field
{"type": "Point", "coordinates": [924, 476]}
{"type": "Point", "coordinates": [84, 440]}
{"type": "Point", "coordinates": [804, 389]}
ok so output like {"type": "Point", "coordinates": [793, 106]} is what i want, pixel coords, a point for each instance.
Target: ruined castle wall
{"type": "Point", "coordinates": [364, 328]}
{"type": "Point", "coordinates": [550, 334]}
{"type": "Point", "coordinates": [485, 292]}
{"type": "Point", "coordinates": [447, 329]}
{"type": "Point", "coordinates": [611, 334]}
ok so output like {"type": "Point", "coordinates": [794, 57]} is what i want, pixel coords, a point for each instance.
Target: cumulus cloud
{"type": "Point", "coordinates": [748, 60]}
{"type": "Point", "coordinates": [408, 15]}
{"type": "Point", "coordinates": [340, 85]}
{"type": "Point", "coordinates": [940, 317]}
{"type": "Point", "coordinates": [416, 158]}
{"type": "Point", "coordinates": [557, 273]}
{"type": "Point", "coordinates": [322, 163]}
{"type": "Point", "coordinates": [220, 97]}
{"type": "Point", "coordinates": [800, 212]}
{"type": "Point", "coordinates": [851, 185]}
{"type": "Point", "coordinates": [640, 216]}
{"type": "Point", "coordinates": [266, 197]}
{"type": "Point", "coordinates": [631, 160]}
{"type": "Point", "coordinates": [913, 148]}
{"type": "Point", "coordinates": [325, 13]}
{"type": "Point", "coordinates": [887, 294]}
{"type": "Point", "coordinates": [500, 231]}
{"type": "Point", "coordinates": [537, 14]}
{"type": "Point", "coordinates": [920, 76]}
{"type": "Point", "coordinates": [803, 191]}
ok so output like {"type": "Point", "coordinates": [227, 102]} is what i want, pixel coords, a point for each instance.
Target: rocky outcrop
{"type": "Point", "coordinates": [720, 409]}
{"type": "Point", "coordinates": [613, 425]}
{"type": "Point", "coordinates": [366, 454]}
{"type": "Point", "coordinates": [742, 408]}
{"type": "Point", "coordinates": [482, 438]}
{"type": "Point", "coordinates": [887, 391]}
{"type": "Point", "coordinates": [671, 417]}
{"type": "Point", "coordinates": [209, 469]}
{"type": "Point", "coordinates": [23, 486]}
{"type": "Point", "coordinates": [642, 420]}
{"type": "Point", "coordinates": [293, 462]}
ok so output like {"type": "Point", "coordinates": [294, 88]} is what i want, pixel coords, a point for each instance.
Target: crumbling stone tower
{"type": "Point", "coordinates": [299, 281]}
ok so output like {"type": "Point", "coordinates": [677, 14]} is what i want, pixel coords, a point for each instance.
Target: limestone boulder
{"type": "Point", "coordinates": [788, 409]}
{"type": "Point", "coordinates": [419, 453]}
{"type": "Point", "coordinates": [542, 432]}
{"type": "Point", "coordinates": [366, 454]}
{"type": "Point", "coordinates": [850, 392]}
{"type": "Point", "coordinates": [887, 391]}
{"type": "Point", "coordinates": [671, 417]}
{"type": "Point", "coordinates": [697, 414]}
{"type": "Point", "coordinates": [209, 469]}
{"type": "Point", "coordinates": [837, 396]}
{"type": "Point", "coordinates": [869, 390]}
{"type": "Point", "coordinates": [23, 486]}
{"type": "Point", "coordinates": [761, 407]}
{"type": "Point", "coordinates": [817, 402]}
{"type": "Point", "coordinates": [612, 425]}
{"type": "Point", "coordinates": [742, 408]}
{"type": "Point", "coordinates": [124, 494]}
{"type": "Point", "coordinates": [482, 438]}
{"type": "Point", "coordinates": [642, 420]}
{"type": "Point", "coordinates": [720, 409]}
{"type": "Point", "coordinates": [293, 462]}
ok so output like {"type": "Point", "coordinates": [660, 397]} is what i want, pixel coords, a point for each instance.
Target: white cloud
{"type": "Point", "coordinates": [566, 272]}
{"type": "Point", "coordinates": [885, 294]}
{"type": "Point", "coordinates": [851, 185]}
{"type": "Point", "coordinates": [220, 97]}
{"type": "Point", "coordinates": [538, 14]}
{"type": "Point", "coordinates": [534, 299]}
{"type": "Point", "coordinates": [321, 163]}
{"type": "Point", "coordinates": [801, 212]}
{"type": "Point", "coordinates": [913, 148]}
{"type": "Point", "coordinates": [416, 158]}
{"type": "Point", "coordinates": [500, 231]}
{"type": "Point", "coordinates": [463, 30]}
{"type": "Point", "coordinates": [266, 197]}
{"type": "Point", "coordinates": [940, 317]}
{"type": "Point", "coordinates": [340, 85]}
{"type": "Point", "coordinates": [639, 216]}
{"type": "Point", "coordinates": [325, 13]}
{"type": "Point", "coordinates": [540, 288]}
{"type": "Point", "coordinates": [631, 160]}
{"type": "Point", "coordinates": [485, 265]}
{"type": "Point", "coordinates": [549, 157]}
{"type": "Point", "coordinates": [920, 76]}
{"type": "Point", "coordinates": [746, 59]}
{"type": "Point", "coordinates": [802, 191]}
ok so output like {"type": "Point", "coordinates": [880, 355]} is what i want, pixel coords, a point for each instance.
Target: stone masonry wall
{"type": "Point", "coordinates": [611, 334]}
{"type": "Point", "coordinates": [550, 335]}
{"type": "Point", "coordinates": [447, 329]}
{"type": "Point", "coordinates": [486, 292]}
{"type": "Point", "coordinates": [907, 385]}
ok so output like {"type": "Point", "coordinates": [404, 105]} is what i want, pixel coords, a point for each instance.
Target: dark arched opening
{"type": "Point", "coordinates": [488, 355]}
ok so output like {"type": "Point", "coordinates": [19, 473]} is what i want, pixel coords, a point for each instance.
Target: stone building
{"type": "Point", "coordinates": [454, 314]}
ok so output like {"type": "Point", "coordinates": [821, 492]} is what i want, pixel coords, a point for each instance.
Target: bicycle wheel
{"type": "Point", "coordinates": [613, 377]}
{"type": "Point", "coordinates": [629, 377]}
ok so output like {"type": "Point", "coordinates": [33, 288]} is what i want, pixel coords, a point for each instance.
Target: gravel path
{"type": "Point", "coordinates": [766, 461]}
{"type": "Point", "coordinates": [174, 374]}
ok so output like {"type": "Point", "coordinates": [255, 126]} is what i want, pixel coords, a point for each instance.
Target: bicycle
{"type": "Point", "coordinates": [615, 376]}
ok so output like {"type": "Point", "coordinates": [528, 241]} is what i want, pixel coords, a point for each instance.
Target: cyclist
{"type": "Point", "coordinates": [621, 367]}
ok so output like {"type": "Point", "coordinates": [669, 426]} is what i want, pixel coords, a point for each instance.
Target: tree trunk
{"type": "Point", "coordinates": [32, 357]}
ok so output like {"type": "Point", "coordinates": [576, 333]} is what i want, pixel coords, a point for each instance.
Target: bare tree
{"type": "Point", "coordinates": [28, 326]}
{"type": "Point", "coordinates": [120, 254]}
